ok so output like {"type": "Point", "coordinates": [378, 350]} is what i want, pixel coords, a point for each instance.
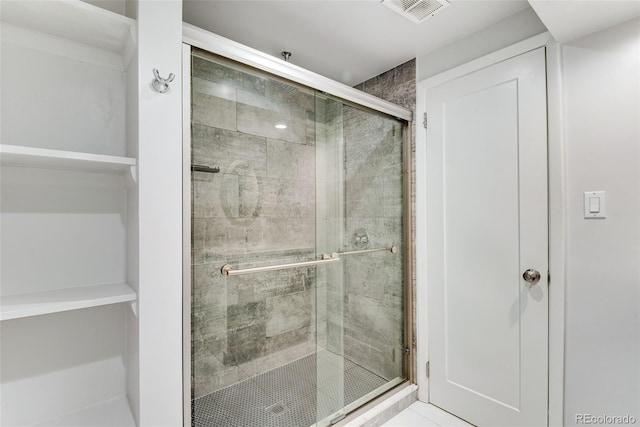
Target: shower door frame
{"type": "Point", "coordinates": [202, 39]}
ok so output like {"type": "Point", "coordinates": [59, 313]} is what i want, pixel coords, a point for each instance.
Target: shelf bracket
{"type": "Point", "coordinates": [131, 176]}
{"type": "Point", "coordinates": [133, 305]}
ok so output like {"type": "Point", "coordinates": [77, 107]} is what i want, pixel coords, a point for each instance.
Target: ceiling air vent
{"type": "Point", "coordinates": [416, 10]}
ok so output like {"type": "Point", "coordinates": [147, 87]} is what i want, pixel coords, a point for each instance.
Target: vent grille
{"type": "Point", "coordinates": [416, 10]}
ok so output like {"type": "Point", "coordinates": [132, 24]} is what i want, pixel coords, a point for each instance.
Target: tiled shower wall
{"type": "Point", "coordinates": [329, 218]}
{"type": "Point", "coordinates": [373, 312]}
{"type": "Point", "coordinates": [261, 209]}
{"type": "Point", "coordinates": [258, 210]}
{"type": "Point", "coordinates": [372, 322]}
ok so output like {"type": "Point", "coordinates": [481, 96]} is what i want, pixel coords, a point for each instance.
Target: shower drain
{"type": "Point", "coordinates": [277, 409]}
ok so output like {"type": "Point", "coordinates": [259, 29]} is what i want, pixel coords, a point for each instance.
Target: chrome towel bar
{"type": "Point", "coordinates": [393, 249]}
{"type": "Point", "coordinates": [227, 269]}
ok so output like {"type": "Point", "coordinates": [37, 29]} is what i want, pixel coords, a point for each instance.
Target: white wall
{"type": "Point", "coordinates": [602, 140]}
{"type": "Point", "coordinates": [601, 132]}
{"type": "Point", "coordinates": [61, 362]}
{"type": "Point", "coordinates": [517, 27]}
{"type": "Point", "coordinates": [160, 215]}
{"type": "Point", "coordinates": [117, 6]}
{"type": "Point", "coordinates": [133, 233]}
{"type": "Point", "coordinates": [88, 99]}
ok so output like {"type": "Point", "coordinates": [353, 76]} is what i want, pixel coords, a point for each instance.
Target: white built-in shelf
{"type": "Point", "coordinates": [14, 155]}
{"type": "Point", "coordinates": [55, 301]}
{"type": "Point", "coordinates": [115, 412]}
{"type": "Point", "coordinates": [71, 20]}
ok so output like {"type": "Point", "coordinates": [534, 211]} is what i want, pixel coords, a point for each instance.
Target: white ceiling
{"type": "Point", "coordinates": [348, 41]}
{"type": "Point", "coordinates": [570, 19]}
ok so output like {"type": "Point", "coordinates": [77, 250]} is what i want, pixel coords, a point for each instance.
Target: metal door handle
{"type": "Point", "coordinates": [531, 276]}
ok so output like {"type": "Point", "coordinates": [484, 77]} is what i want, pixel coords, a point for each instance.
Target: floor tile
{"type": "Point", "coordinates": [287, 396]}
{"type": "Point", "coordinates": [437, 415]}
{"type": "Point", "coordinates": [408, 418]}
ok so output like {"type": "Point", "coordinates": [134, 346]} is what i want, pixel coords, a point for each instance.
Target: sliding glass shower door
{"type": "Point", "coordinates": [360, 337]}
{"type": "Point", "coordinates": [296, 316]}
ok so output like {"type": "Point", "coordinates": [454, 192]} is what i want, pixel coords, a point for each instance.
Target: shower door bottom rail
{"type": "Point", "coordinates": [227, 269]}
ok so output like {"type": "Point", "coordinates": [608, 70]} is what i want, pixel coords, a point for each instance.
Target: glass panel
{"type": "Point", "coordinates": [282, 174]}
{"type": "Point", "coordinates": [330, 226]}
{"type": "Point", "coordinates": [374, 287]}
{"type": "Point", "coordinates": [252, 335]}
{"type": "Point", "coordinates": [360, 301]}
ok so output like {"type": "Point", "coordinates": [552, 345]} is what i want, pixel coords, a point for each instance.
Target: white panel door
{"type": "Point", "coordinates": [487, 225]}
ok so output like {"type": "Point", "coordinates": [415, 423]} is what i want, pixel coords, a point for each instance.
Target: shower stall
{"type": "Point", "coordinates": [296, 217]}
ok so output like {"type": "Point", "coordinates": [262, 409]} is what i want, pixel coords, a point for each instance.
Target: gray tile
{"type": "Point", "coordinates": [363, 198]}
{"type": "Point", "coordinates": [335, 338]}
{"type": "Point", "coordinates": [327, 405]}
{"type": "Point", "coordinates": [405, 72]}
{"type": "Point", "coordinates": [210, 70]}
{"type": "Point", "coordinates": [197, 240]}
{"type": "Point", "coordinates": [368, 153]}
{"type": "Point", "coordinates": [392, 197]}
{"type": "Point", "coordinates": [287, 234]}
{"type": "Point", "coordinates": [227, 238]}
{"type": "Point", "coordinates": [283, 384]}
{"type": "Point", "coordinates": [375, 275]}
{"type": "Point", "coordinates": [383, 232]}
{"type": "Point", "coordinates": [290, 161]}
{"type": "Point", "coordinates": [287, 339]}
{"type": "Point", "coordinates": [358, 382]}
{"type": "Point", "coordinates": [209, 290]}
{"type": "Point", "coordinates": [240, 291]}
{"type": "Point", "coordinates": [209, 336]}
{"type": "Point", "coordinates": [245, 344]}
{"type": "Point", "coordinates": [284, 396]}
{"type": "Point", "coordinates": [288, 281]}
{"type": "Point", "coordinates": [374, 321]}
{"type": "Point", "coordinates": [364, 276]}
{"type": "Point", "coordinates": [258, 115]}
{"type": "Point", "coordinates": [213, 104]}
{"type": "Point", "coordinates": [249, 288]}
{"type": "Point", "coordinates": [241, 405]}
{"type": "Point", "coordinates": [235, 153]}
{"type": "Point", "coordinates": [366, 355]}
{"type": "Point", "coordinates": [287, 312]}
{"type": "Point", "coordinates": [247, 314]}
{"type": "Point", "coordinates": [231, 232]}
{"type": "Point", "coordinates": [386, 81]}
{"type": "Point", "coordinates": [403, 94]}
{"type": "Point", "coordinates": [283, 198]}
{"type": "Point", "coordinates": [206, 374]}
{"type": "Point", "coordinates": [305, 367]}
{"type": "Point", "coordinates": [206, 195]}
{"type": "Point", "coordinates": [372, 87]}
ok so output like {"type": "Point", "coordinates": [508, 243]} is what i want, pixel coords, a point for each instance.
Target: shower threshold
{"type": "Point", "coordinates": [288, 396]}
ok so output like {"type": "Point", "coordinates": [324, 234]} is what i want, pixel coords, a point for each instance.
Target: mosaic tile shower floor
{"type": "Point", "coordinates": [287, 396]}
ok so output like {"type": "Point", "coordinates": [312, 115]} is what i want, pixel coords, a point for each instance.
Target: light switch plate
{"type": "Point", "coordinates": [594, 204]}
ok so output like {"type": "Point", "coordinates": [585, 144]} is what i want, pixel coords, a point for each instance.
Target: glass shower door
{"type": "Point", "coordinates": [360, 304]}
{"type": "Point", "coordinates": [253, 206]}
{"type": "Point", "coordinates": [296, 293]}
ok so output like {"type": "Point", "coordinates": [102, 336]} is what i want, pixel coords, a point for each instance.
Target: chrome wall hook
{"type": "Point", "coordinates": [160, 84]}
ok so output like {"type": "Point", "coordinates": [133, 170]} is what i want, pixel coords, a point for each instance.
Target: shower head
{"type": "Point", "coordinates": [285, 55]}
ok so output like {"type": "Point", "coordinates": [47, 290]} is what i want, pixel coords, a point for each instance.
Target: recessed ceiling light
{"type": "Point", "coordinates": [281, 126]}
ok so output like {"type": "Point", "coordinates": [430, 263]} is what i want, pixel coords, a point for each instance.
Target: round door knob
{"type": "Point", "coordinates": [531, 276]}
